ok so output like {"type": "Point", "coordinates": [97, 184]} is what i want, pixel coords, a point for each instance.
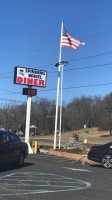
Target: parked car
{"type": "Point", "coordinates": [11, 148]}
{"type": "Point", "coordinates": [101, 154]}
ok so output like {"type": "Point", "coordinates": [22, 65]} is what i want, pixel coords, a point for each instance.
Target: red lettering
{"type": "Point", "coordinates": [33, 92]}
{"type": "Point", "coordinates": [19, 79]}
{"type": "Point", "coordinates": [30, 81]}
{"type": "Point", "coordinates": [35, 81]}
{"type": "Point", "coordinates": [28, 91]}
{"type": "Point", "coordinates": [25, 80]}
{"type": "Point", "coordinates": [41, 82]}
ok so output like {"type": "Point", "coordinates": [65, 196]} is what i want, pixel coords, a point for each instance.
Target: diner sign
{"type": "Point", "coordinates": [30, 77]}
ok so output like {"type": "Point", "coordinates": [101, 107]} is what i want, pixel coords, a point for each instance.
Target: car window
{"type": "Point", "coordinates": [4, 136]}
{"type": "Point", "coordinates": [0, 137]}
{"type": "Point", "coordinates": [14, 138]}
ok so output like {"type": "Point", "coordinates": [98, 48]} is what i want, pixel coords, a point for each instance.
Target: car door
{"type": "Point", "coordinates": [4, 148]}
{"type": "Point", "coordinates": [14, 146]}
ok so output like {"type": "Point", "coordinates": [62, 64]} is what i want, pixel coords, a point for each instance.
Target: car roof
{"type": "Point", "coordinates": [4, 131]}
{"type": "Point", "coordinates": [106, 144]}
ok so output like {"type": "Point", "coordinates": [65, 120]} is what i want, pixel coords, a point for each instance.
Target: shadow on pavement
{"type": "Point", "coordinates": [96, 165]}
{"type": "Point", "coordinates": [13, 166]}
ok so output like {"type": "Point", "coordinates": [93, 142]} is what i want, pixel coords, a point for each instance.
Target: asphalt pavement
{"type": "Point", "coordinates": [47, 177]}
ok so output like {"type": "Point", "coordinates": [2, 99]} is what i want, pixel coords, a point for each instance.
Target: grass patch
{"type": "Point", "coordinates": [75, 151]}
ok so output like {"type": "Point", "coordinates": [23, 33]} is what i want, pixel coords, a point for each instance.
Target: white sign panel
{"type": "Point", "coordinates": [29, 76]}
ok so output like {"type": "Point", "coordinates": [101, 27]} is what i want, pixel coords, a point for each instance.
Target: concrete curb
{"type": "Point", "coordinates": [76, 157]}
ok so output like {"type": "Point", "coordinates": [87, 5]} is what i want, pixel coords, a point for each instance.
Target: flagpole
{"type": "Point", "coordinates": [61, 107]}
{"type": "Point", "coordinates": [58, 82]}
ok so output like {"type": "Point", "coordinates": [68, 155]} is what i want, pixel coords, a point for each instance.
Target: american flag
{"type": "Point", "coordinates": [68, 41]}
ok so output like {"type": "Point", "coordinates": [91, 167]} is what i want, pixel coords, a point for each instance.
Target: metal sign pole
{"type": "Point", "coordinates": [28, 111]}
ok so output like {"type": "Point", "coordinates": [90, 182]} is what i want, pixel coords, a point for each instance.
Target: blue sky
{"type": "Point", "coordinates": [30, 37]}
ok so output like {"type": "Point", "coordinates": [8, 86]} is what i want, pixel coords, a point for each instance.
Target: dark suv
{"type": "Point", "coordinates": [11, 148]}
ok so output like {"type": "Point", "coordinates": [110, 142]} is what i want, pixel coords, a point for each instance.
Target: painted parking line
{"type": "Point", "coordinates": [38, 183]}
{"type": "Point", "coordinates": [74, 169]}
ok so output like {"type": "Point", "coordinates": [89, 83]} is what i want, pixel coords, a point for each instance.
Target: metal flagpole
{"type": "Point", "coordinates": [61, 107]}
{"type": "Point", "coordinates": [63, 63]}
{"type": "Point", "coordinates": [56, 116]}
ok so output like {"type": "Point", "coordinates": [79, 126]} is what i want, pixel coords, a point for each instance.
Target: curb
{"type": "Point", "coordinates": [76, 157]}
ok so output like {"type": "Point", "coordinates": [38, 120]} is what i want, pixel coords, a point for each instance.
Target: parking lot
{"type": "Point", "coordinates": [49, 177]}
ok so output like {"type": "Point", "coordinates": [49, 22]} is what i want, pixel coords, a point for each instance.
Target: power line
{"type": "Point", "coordinates": [2, 77]}
{"type": "Point", "coordinates": [73, 69]}
{"type": "Point", "coordinates": [89, 67]}
{"type": "Point", "coordinates": [97, 55]}
{"type": "Point", "coordinates": [12, 100]}
{"type": "Point", "coordinates": [77, 87]}
{"type": "Point", "coordinates": [9, 91]}
{"type": "Point", "coordinates": [54, 89]}
{"type": "Point", "coordinates": [52, 64]}
{"type": "Point", "coordinates": [67, 88]}
{"type": "Point", "coordinates": [81, 68]}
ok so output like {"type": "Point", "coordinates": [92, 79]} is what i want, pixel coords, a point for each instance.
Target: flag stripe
{"type": "Point", "coordinates": [70, 46]}
{"type": "Point", "coordinates": [68, 41]}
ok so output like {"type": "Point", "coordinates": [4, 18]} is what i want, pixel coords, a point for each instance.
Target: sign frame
{"type": "Point", "coordinates": [30, 77]}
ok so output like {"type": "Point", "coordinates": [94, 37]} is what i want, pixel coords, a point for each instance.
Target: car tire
{"type": "Point", "coordinates": [107, 161]}
{"type": "Point", "coordinates": [21, 159]}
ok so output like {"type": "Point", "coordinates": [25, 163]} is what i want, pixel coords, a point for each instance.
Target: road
{"type": "Point", "coordinates": [46, 177]}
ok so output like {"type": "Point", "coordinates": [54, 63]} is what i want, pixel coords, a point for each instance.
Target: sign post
{"type": "Point", "coordinates": [28, 113]}
{"type": "Point", "coordinates": [29, 77]}
{"type": "Point", "coordinates": [85, 139]}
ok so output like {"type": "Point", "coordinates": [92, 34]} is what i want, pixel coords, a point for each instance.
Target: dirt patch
{"type": "Point", "coordinates": [76, 157]}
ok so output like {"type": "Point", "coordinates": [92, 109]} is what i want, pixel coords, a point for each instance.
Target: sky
{"type": "Point", "coordinates": [30, 32]}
